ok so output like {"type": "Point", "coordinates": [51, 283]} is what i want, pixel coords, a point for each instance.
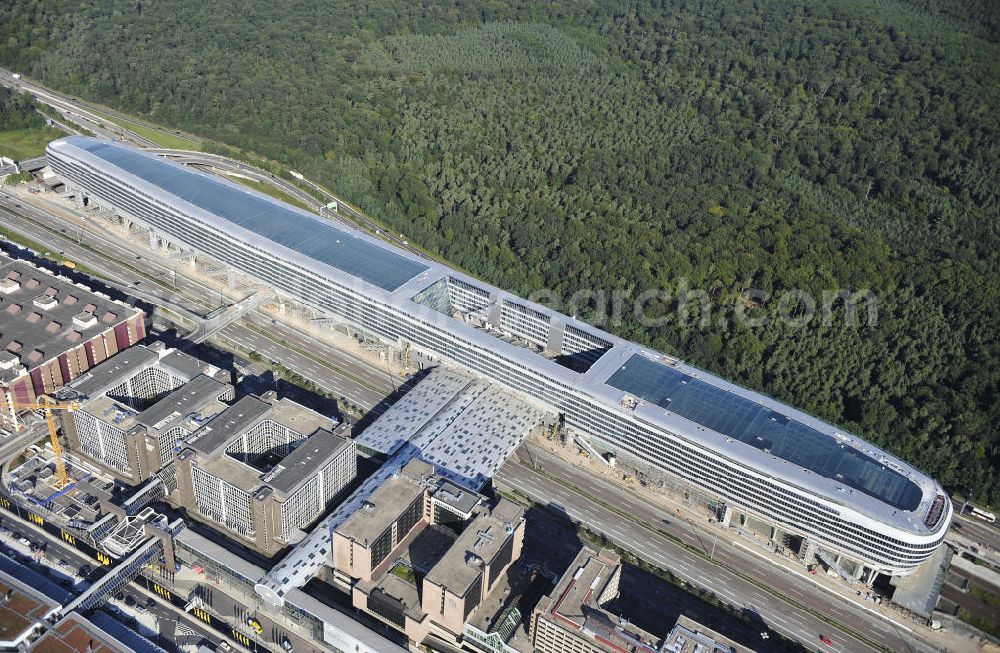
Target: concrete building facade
{"type": "Point", "coordinates": [52, 330]}
{"type": "Point", "coordinates": [423, 553]}
{"type": "Point", "coordinates": [263, 469]}
{"type": "Point", "coordinates": [573, 618]}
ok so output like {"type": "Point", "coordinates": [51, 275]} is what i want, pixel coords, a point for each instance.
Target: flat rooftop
{"type": "Point", "coordinates": [190, 405]}
{"type": "Point", "coordinates": [740, 418]}
{"type": "Point", "coordinates": [475, 547]}
{"type": "Point", "coordinates": [307, 459]}
{"type": "Point", "coordinates": [295, 229]}
{"type": "Point", "coordinates": [111, 412]}
{"type": "Point", "coordinates": [100, 634]}
{"type": "Point", "coordinates": [384, 506]}
{"type": "Point", "coordinates": [43, 315]}
{"type": "Point", "coordinates": [26, 606]}
{"type": "Point", "coordinates": [579, 589]}
{"type": "Point", "coordinates": [456, 497]}
{"type": "Point", "coordinates": [106, 375]}
{"type": "Point", "coordinates": [126, 364]}
{"type": "Point", "coordinates": [877, 495]}
{"type": "Point", "coordinates": [235, 420]}
{"type": "Point", "coordinates": [689, 636]}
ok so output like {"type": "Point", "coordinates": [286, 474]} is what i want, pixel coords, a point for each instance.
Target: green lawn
{"type": "Point", "coordinates": [20, 144]}
{"type": "Point", "coordinates": [269, 190]}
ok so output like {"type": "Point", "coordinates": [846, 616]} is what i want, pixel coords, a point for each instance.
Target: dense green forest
{"type": "Point", "coordinates": [723, 146]}
{"type": "Point", "coordinates": [18, 111]}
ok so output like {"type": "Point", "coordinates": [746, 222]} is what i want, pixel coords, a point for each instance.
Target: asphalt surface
{"type": "Point", "coordinates": [81, 113]}
{"type": "Point", "coordinates": [787, 602]}
{"type": "Point", "coordinates": [333, 370]}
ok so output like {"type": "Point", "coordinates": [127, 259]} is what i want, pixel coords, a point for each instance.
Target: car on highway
{"type": "Point", "coordinates": [826, 640]}
{"type": "Point", "coordinates": [287, 644]}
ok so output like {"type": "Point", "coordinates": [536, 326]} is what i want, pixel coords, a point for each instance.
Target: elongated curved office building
{"type": "Point", "coordinates": [754, 454]}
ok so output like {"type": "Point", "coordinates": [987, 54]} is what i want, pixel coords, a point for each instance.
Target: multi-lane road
{"type": "Point", "coordinates": [82, 113]}
{"type": "Point", "coordinates": [787, 600]}
{"type": "Point", "coordinates": [334, 370]}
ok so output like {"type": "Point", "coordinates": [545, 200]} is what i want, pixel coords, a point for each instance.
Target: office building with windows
{"type": "Point", "coordinates": [576, 616]}
{"type": "Point", "coordinates": [264, 469]}
{"type": "Point", "coordinates": [134, 408]}
{"type": "Point", "coordinates": [422, 553]}
{"type": "Point", "coordinates": [838, 495]}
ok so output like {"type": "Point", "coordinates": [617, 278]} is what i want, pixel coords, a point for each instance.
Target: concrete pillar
{"type": "Point", "coordinates": [153, 240]}
{"type": "Point", "coordinates": [230, 277]}
{"type": "Point", "coordinates": [727, 516]}
{"type": "Point", "coordinates": [807, 550]}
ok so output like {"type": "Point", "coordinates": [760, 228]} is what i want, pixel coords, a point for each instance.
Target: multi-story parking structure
{"type": "Point", "coordinates": [760, 458]}
{"type": "Point", "coordinates": [52, 330]}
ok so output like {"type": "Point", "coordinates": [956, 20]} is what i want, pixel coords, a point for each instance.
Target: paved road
{"type": "Point", "coordinates": [76, 111]}
{"type": "Point", "coordinates": [334, 370]}
{"type": "Point", "coordinates": [977, 529]}
{"type": "Point", "coordinates": [167, 616]}
{"type": "Point", "coordinates": [81, 113]}
{"type": "Point", "coordinates": [737, 589]}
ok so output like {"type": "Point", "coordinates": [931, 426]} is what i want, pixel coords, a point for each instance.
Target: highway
{"type": "Point", "coordinates": [82, 113]}
{"type": "Point", "coordinates": [789, 602]}
{"type": "Point", "coordinates": [334, 370]}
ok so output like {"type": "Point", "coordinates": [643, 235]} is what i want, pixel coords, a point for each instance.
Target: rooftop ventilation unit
{"type": "Point", "coordinates": [84, 320]}
{"type": "Point", "coordinates": [45, 302]}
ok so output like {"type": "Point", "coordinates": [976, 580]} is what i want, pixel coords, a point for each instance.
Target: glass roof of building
{"type": "Point", "coordinates": [314, 237]}
{"type": "Point", "coordinates": [749, 422]}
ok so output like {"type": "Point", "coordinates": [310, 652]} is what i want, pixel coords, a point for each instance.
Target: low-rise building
{"type": "Point", "coordinates": [53, 330]}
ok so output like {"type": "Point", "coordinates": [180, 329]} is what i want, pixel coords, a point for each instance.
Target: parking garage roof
{"type": "Point", "coordinates": [297, 230]}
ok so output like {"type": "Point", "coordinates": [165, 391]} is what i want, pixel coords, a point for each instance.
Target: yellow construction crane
{"type": "Point", "coordinates": [48, 405]}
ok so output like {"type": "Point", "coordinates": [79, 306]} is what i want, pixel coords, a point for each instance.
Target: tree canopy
{"type": "Point", "coordinates": [817, 145]}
